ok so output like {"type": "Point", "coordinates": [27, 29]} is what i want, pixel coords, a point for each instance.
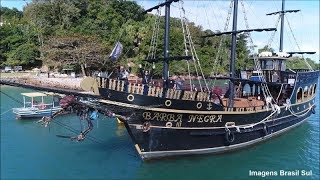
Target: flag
{"type": "Point", "coordinates": [116, 52]}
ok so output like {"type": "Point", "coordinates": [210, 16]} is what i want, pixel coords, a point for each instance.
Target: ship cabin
{"type": "Point", "coordinates": [272, 65]}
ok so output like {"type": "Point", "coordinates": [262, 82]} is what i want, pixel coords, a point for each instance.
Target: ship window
{"type": "Point", "coordinates": [299, 95]}
{"type": "Point", "coordinates": [283, 65]}
{"type": "Point", "coordinates": [305, 93]}
{"type": "Point", "coordinates": [276, 65]}
{"type": "Point", "coordinates": [246, 90]}
{"type": "Point", "coordinates": [269, 64]}
{"type": "Point", "coordinates": [310, 91]}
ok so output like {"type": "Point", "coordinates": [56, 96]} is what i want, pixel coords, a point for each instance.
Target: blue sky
{"type": "Point", "coordinates": [212, 15]}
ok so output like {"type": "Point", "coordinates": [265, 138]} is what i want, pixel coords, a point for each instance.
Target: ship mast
{"type": "Point", "coordinates": [282, 14]}
{"type": "Point", "coordinates": [166, 58]}
{"type": "Point", "coordinates": [281, 27]}
{"type": "Point", "coordinates": [234, 33]}
{"type": "Point", "coordinates": [166, 46]}
{"type": "Point", "coordinates": [233, 52]}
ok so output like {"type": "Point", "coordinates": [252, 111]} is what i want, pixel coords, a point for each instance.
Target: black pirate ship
{"type": "Point", "coordinates": [163, 121]}
{"type": "Point", "coordinates": [170, 122]}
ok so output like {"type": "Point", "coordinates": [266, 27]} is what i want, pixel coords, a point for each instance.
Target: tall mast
{"type": "Point", "coordinates": [233, 52]}
{"type": "Point", "coordinates": [234, 33]}
{"type": "Point", "coordinates": [282, 26]}
{"type": "Point", "coordinates": [166, 57]}
{"type": "Point", "coordinates": [166, 45]}
{"type": "Point", "coordinates": [282, 13]}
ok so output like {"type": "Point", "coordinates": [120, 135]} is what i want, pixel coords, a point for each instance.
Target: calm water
{"type": "Point", "coordinates": [30, 151]}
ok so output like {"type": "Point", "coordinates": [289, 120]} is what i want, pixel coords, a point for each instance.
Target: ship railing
{"type": "Point", "coordinates": [241, 109]}
{"type": "Point", "coordinates": [241, 104]}
{"type": "Point", "coordinates": [43, 105]}
{"type": "Point", "coordinates": [301, 70]}
{"type": "Point", "coordinates": [152, 90]}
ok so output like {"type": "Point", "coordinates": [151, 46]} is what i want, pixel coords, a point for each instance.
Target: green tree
{"type": "Point", "coordinates": [84, 32]}
{"type": "Point", "coordinates": [85, 51]}
{"type": "Point", "coordinates": [17, 45]}
{"type": "Point", "coordinates": [25, 54]}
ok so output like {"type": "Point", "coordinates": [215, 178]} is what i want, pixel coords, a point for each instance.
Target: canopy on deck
{"type": "Point", "coordinates": [33, 94]}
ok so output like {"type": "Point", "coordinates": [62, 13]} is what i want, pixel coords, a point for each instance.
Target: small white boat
{"type": "Point", "coordinates": [37, 107]}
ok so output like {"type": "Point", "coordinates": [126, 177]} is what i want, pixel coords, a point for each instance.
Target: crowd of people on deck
{"type": "Point", "coordinates": [145, 77]}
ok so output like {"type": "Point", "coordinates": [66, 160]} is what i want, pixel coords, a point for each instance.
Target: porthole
{"type": "Point", "coordinates": [199, 105]}
{"type": "Point", "coordinates": [168, 103]}
{"type": "Point", "coordinates": [130, 97]}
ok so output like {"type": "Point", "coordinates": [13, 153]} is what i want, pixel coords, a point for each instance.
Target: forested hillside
{"type": "Point", "coordinates": [81, 34]}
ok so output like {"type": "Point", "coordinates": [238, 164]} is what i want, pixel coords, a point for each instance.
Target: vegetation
{"type": "Point", "coordinates": [298, 63]}
{"type": "Point", "coordinates": [81, 34]}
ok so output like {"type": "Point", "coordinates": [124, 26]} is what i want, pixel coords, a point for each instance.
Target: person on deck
{"type": "Point", "coordinates": [123, 75]}
{"type": "Point", "coordinates": [146, 78]}
{"type": "Point", "coordinates": [171, 83]}
{"type": "Point", "coordinates": [179, 83]}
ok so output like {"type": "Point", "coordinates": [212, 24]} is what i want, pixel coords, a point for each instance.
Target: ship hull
{"type": "Point", "coordinates": [162, 141]}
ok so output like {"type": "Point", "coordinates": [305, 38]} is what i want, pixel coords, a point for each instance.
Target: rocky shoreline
{"type": "Point", "coordinates": [61, 83]}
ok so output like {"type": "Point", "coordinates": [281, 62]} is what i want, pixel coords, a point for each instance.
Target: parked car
{"type": "Point", "coordinates": [7, 69]}
{"type": "Point", "coordinates": [17, 68]}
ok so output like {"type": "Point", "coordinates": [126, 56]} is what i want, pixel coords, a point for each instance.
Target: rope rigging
{"type": "Point", "coordinates": [295, 40]}
{"type": "Point", "coordinates": [154, 37]}
{"type": "Point", "coordinates": [185, 46]}
{"type": "Point", "coordinates": [273, 33]}
{"type": "Point", "coordinates": [226, 26]}
{"type": "Point", "coordinates": [239, 127]}
{"type": "Point", "coordinates": [266, 92]}
{"type": "Point", "coordinates": [187, 41]}
{"type": "Point", "coordinates": [189, 46]}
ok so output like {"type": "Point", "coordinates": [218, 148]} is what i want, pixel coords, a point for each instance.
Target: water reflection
{"type": "Point", "coordinates": [121, 130]}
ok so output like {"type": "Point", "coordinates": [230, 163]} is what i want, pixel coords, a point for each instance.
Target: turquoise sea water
{"type": "Point", "coordinates": [31, 151]}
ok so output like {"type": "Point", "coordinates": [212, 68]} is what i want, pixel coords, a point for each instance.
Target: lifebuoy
{"type": "Point", "coordinates": [146, 126]}
{"type": "Point", "coordinates": [265, 129]}
{"type": "Point", "coordinates": [42, 106]}
{"type": "Point", "coordinates": [230, 136]}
